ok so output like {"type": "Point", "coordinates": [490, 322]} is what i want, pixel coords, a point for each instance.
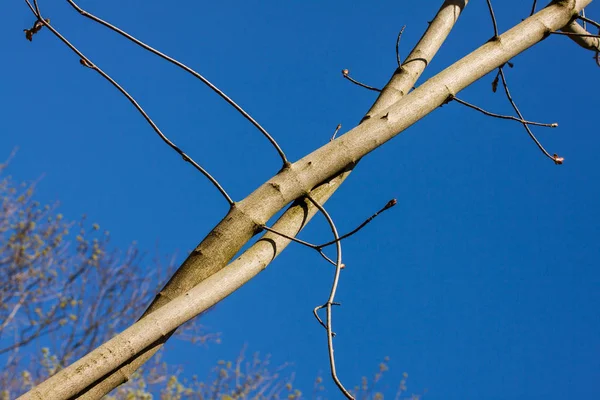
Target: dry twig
{"type": "Point", "coordinates": [89, 64]}
{"type": "Point", "coordinates": [337, 128]}
{"type": "Point", "coordinates": [346, 74]}
{"type": "Point", "coordinates": [489, 3]}
{"type": "Point", "coordinates": [320, 247]}
{"type": "Point", "coordinates": [557, 160]}
{"type": "Point", "coordinates": [398, 46]}
{"type": "Point", "coordinates": [330, 301]}
{"type": "Point", "coordinates": [533, 8]}
{"type": "Point", "coordinates": [509, 117]}
{"type": "Point", "coordinates": [189, 70]}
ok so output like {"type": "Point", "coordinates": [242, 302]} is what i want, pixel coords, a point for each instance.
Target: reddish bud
{"type": "Point", "coordinates": [558, 160]}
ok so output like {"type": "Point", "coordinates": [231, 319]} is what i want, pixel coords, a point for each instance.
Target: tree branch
{"type": "Point", "coordinates": [189, 70]}
{"type": "Point", "coordinates": [582, 37]}
{"type": "Point", "coordinates": [86, 62]}
{"type": "Point", "coordinates": [296, 181]}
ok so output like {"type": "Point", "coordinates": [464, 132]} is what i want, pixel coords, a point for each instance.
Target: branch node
{"type": "Point", "coordinates": [88, 64]}
{"type": "Point", "coordinates": [37, 26]}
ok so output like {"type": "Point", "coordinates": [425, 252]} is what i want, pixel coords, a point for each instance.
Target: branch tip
{"type": "Point", "coordinates": [346, 75]}
{"type": "Point", "coordinates": [390, 204]}
{"type": "Point", "coordinates": [558, 160]}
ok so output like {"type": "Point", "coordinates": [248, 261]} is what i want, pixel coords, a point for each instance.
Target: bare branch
{"type": "Point", "coordinates": [398, 46]}
{"type": "Point", "coordinates": [580, 36]}
{"type": "Point", "coordinates": [489, 3]}
{"type": "Point", "coordinates": [319, 248]}
{"type": "Point", "coordinates": [589, 21]}
{"type": "Point", "coordinates": [533, 8]}
{"type": "Point", "coordinates": [89, 64]}
{"type": "Point", "coordinates": [574, 34]}
{"type": "Point", "coordinates": [403, 114]}
{"type": "Point", "coordinates": [555, 158]}
{"type": "Point", "coordinates": [509, 117]}
{"type": "Point", "coordinates": [346, 74]}
{"type": "Point", "coordinates": [388, 205]}
{"type": "Point", "coordinates": [337, 128]}
{"type": "Point", "coordinates": [299, 213]}
{"type": "Point", "coordinates": [328, 305]}
{"type": "Point", "coordinates": [189, 70]}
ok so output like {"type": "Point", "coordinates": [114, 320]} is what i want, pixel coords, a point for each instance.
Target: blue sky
{"type": "Point", "coordinates": [483, 282]}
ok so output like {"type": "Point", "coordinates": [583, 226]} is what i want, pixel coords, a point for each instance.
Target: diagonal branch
{"type": "Point", "coordinates": [346, 74]}
{"type": "Point", "coordinates": [89, 64]}
{"type": "Point", "coordinates": [555, 158]}
{"type": "Point", "coordinates": [358, 142]}
{"type": "Point", "coordinates": [509, 117]}
{"type": "Point", "coordinates": [144, 337]}
{"type": "Point", "coordinates": [589, 21]}
{"type": "Point", "coordinates": [189, 70]}
{"type": "Point", "coordinates": [398, 60]}
{"type": "Point", "coordinates": [212, 255]}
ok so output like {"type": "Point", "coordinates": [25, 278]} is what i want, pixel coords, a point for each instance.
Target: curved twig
{"type": "Point", "coordinates": [589, 21]}
{"type": "Point", "coordinates": [388, 205]}
{"type": "Point", "coordinates": [555, 157]}
{"type": "Point", "coordinates": [187, 69]}
{"type": "Point", "coordinates": [509, 117]}
{"type": "Point", "coordinates": [337, 128]}
{"type": "Point", "coordinates": [533, 8]}
{"type": "Point", "coordinates": [346, 74]}
{"type": "Point", "coordinates": [398, 46]}
{"type": "Point", "coordinates": [590, 35]}
{"type": "Point", "coordinates": [330, 300]}
{"type": "Point", "coordinates": [89, 64]}
{"type": "Point", "coordinates": [489, 3]}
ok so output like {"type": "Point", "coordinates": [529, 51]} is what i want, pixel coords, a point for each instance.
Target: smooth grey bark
{"type": "Point", "coordinates": [246, 217]}
{"type": "Point", "coordinates": [300, 212]}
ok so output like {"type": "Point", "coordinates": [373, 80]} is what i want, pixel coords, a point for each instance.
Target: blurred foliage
{"type": "Point", "coordinates": [63, 288]}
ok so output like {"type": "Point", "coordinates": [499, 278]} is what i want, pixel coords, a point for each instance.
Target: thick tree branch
{"type": "Point", "coordinates": [210, 256]}
{"type": "Point", "coordinates": [292, 183]}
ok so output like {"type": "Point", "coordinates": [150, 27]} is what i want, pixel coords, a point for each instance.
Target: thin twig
{"type": "Point", "coordinates": [189, 70]}
{"type": "Point", "coordinates": [88, 63]}
{"type": "Point", "coordinates": [555, 157]}
{"type": "Point", "coordinates": [533, 8]}
{"type": "Point", "coordinates": [398, 45]}
{"type": "Point", "coordinates": [337, 128]}
{"type": "Point", "coordinates": [316, 314]}
{"type": "Point", "coordinates": [292, 238]}
{"type": "Point", "coordinates": [388, 205]}
{"type": "Point", "coordinates": [346, 75]}
{"type": "Point", "coordinates": [589, 21]}
{"type": "Point", "coordinates": [510, 117]}
{"type": "Point", "coordinates": [489, 2]}
{"type": "Point", "coordinates": [582, 14]}
{"type": "Point", "coordinates": [576, 34]}
{"type": "Point", "coordinates": [302, 242]}
{"type": "Point", "coordinates": [319, 247]}
{"type": "Point", "coordinates": [330, 300]}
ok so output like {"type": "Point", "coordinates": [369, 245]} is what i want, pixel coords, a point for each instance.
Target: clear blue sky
{"type": "Point", "coordinates": [483, 282]}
